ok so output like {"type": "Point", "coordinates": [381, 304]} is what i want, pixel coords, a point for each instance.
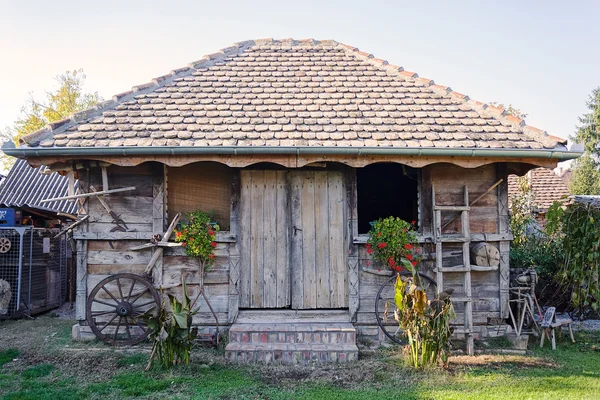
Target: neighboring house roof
{"type": "Point", "coordinates": [546, 187]}
{"type": "Point", "coordinates": [26, 186]}
{"type": "Point", "coordinates": [587, 199]}
{"type": "Point", "coordinates": [290, 93]}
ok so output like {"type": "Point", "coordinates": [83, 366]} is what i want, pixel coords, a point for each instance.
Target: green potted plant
{"type": "Point", "coordinates": [392, 242]}
{"type": "Point", "coordinates": [198, 237]}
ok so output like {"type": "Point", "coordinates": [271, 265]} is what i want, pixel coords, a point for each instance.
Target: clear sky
{"type": "Point", "coordinates": [540, 56]}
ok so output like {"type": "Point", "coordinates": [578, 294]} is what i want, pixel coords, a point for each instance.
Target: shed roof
{"type": "Point", "coordinates": [292, 93]}
{"type": "Point", "coordinates": [546, 186]}
{"type": "Point", "coordinates": [26, 186]}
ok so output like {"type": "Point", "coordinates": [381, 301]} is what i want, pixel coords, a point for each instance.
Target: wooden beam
{"type": "Point", "coordinates": [113, 235]}
{"type": "Point", "coordinates": [159, 251]}
{"type": "Point", "coordinates": [71, 185]}
{"type": "Point", "coordinates": [159, 244]}
{"type": "Point", "coordinates": [104, 179]}
{"type": "Point", "coordinates": [83, 195]}
{"type": "Point", "coordinates": [72, 226]}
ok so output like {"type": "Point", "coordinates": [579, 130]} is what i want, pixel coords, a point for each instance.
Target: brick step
{"type": "Point", "coordinates": [290, 353]}
{"type": "Point", "coordinates": [293, 333]}
{"type": "Point", "coordinates": [293, 316]}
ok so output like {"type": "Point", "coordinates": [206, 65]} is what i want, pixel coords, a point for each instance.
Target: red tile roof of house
{"type": "Point", "coordinates": [293, 93]}
{"type": "Point", "coordinates": [546, 186]}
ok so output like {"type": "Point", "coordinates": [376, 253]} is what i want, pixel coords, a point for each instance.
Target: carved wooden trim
{"type": "Point", "coordinates": [503, 228]}
{"type": "Point", "coordinates": [81, 246]}
{"type": "Point", "coordinates": [293, 161]}
{"type": "Point", "coordinates": [234, 249]}
{"type": "Point", "coordinates": [158, 219]}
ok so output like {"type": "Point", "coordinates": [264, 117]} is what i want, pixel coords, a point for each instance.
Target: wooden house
{"type": "Point", "coordinates": [295, 146]}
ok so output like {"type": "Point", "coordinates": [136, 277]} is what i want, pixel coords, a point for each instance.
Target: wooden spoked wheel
{"type": "Point", "coordinates": [115, 305]}
{"type": "Point", "coordinates": [5, 245]}
{"type": "Point", "coordinates": [385, 306]}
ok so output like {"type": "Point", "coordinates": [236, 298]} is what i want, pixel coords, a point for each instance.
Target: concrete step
{"type": "Point", "coordinates": [292, 343]}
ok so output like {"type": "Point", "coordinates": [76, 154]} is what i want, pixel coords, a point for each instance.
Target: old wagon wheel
{"type": "Point", "coordinates": [115, 305]}
{"type": "Point", "coordinates": [5, 245]}
{"type": "Point", "coordinates": [385, 306]}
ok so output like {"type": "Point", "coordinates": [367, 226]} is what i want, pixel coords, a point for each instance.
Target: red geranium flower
{"type": "Point", "coordinates": [408, 246]}
{"type": "Point", "coordinates": [213, 244]}
{"type": "Point", "coordinates": [184, 244]}
{"type": "Point", "coordinates": [378, 234]}
{"type": "Point", "coordinates": [369, 250]}
{"type": "Point", "coordinates": [414, 263]}
{"type": "Point", "coordinates": [409, 257]}
{"type": "Point", "coordinates": [211, 232]}
{"type": "Point", "coordinates": [391, 262]}
{"type": "Point", "coordinates": [211, 256]}
{"type": "Point", "coordinates": [382, 245]}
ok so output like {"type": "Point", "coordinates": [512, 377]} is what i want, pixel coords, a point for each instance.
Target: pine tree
{"type": "Point", "coordinates": [586, 172]}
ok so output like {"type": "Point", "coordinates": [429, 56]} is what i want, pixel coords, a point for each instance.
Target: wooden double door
{"type": "Point", "coordinates": [293, 239]}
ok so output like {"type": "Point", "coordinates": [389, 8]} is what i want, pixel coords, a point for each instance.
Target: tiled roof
{"type": "Point", "coordinates": [26, 186]}
{"type": "Point", "coordinates": [293, 93]}
{"type": "Point", "coordinates": [546, 186]}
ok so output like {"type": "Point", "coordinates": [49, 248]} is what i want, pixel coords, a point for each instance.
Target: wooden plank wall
{"type": "Point", "coordinates": [488, 218]}
{"type": "Point", "coordinates": [264, 237]}
{"type": "Point", "coordinates": [319, 267]}
{"type": "Point", "coordinates": [141, 210]}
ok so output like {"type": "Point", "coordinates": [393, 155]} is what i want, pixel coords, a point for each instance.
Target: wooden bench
{"type": "Point", "coordinates": [550, 322]}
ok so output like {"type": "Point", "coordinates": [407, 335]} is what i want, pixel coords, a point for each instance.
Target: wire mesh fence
{"type": "Point", "coordinates": [33, 270]}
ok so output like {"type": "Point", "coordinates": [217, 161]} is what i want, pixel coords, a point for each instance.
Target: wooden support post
{"type": "Point", "coordinates": [104, 179]}
{"type": "Point", "coordinates": [158, 222]}
{"type": "Point", "coordinates": [351, 231]}
{"type": "Point", "coordinates": [81, 256]}
{"type": "Point", "coordinates": [504, 246]}
{"type": "Point", "coordinates": [71, 185]}
{"type": "Point", "coordinates": [467, 277]}
{"type": "Point", "coordinates": [234, 251]}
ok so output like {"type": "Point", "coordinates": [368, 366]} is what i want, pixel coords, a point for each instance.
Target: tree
{"type": "Point", "coordinates": [588, 132]}
{"type": "Point", "coordinates": [586, 176]}
{"type": "Point", "coordinates": [586, 173]}
{"type": "Point", "coordinates": [67, 99]}
{"type": "Point", "coordinates": [510, 110]}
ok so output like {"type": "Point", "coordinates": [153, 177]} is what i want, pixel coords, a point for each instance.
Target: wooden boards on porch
{"type": "Point", "coordinates": [293, 241]}
{"type": "Point", "coordinates": [319, 273]}
{"type": "Point", "coordinates": [264, 227]}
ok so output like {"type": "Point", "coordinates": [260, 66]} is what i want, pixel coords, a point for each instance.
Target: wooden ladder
{"type": "Point", "coordinates": [463, 237]}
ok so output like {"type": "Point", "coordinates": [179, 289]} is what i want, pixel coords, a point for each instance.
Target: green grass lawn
{"type": "Point", "coordinates": [37, 361]}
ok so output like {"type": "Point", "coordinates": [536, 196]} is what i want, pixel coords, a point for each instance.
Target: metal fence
{"type": "Point", "coordinates": [33, 270]}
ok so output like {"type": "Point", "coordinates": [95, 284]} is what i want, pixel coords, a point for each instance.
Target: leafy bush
{"type": "Point", "coordinates": [425, 323]}
{"type": "Point", "coordinates": [172, 332]}
{"type": "Point", "coordinates": [577, 227]}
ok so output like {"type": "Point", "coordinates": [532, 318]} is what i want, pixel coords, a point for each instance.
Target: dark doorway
{"type": "Point", "coordinates": [384, 190]}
